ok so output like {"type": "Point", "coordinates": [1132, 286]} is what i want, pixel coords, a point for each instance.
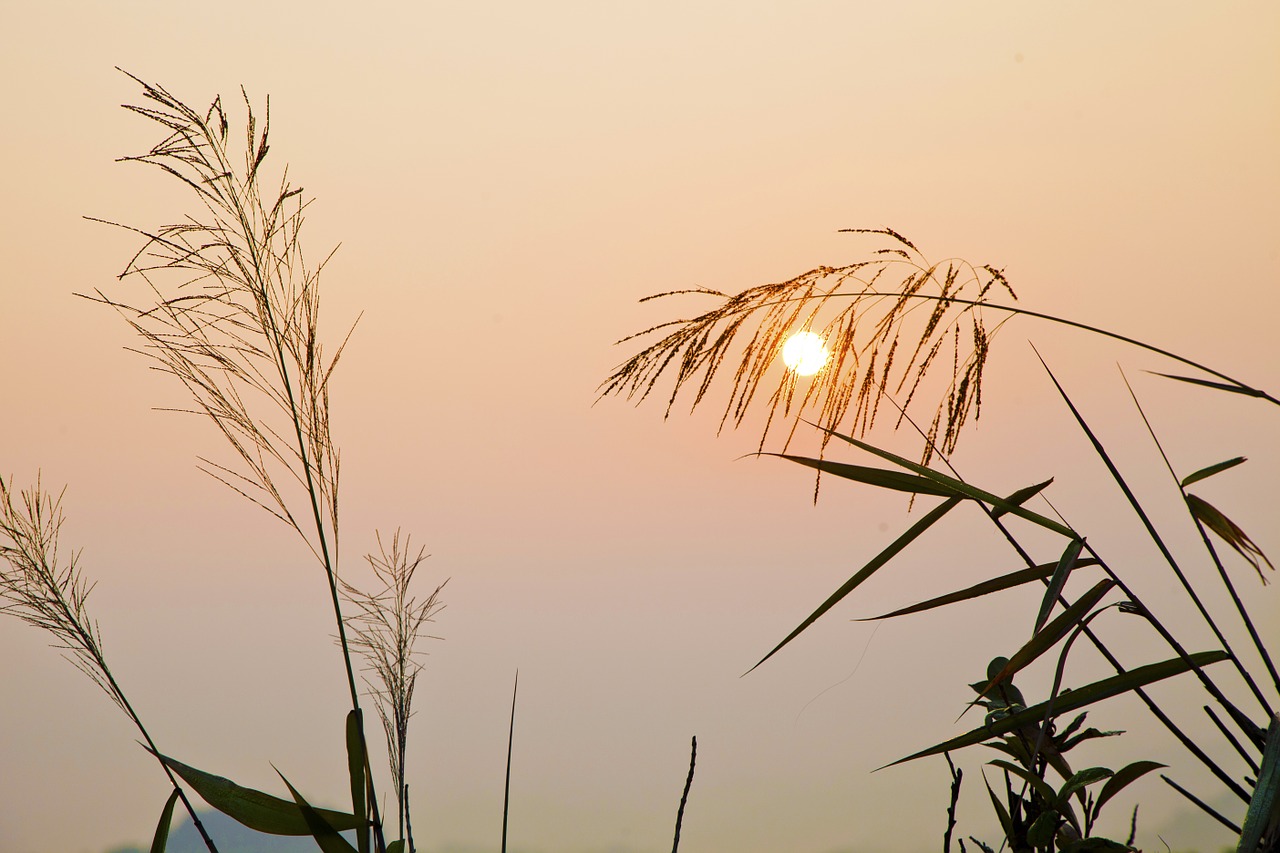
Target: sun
{"type": "Point", "coordinates": [805, 353]}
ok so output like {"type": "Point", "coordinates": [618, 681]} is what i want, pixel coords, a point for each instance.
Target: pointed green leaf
{"type": "Point", "coordinates": [1001, 812]}
{"type": "Point", "coordinates": [1263, 816]}
{"type": "Point", "coordinates": [1123, 778]}
{"type": "Point", "coordinates": [1052, 633]}
{"type": "Point", "coordinates": [1041, 787]}
{"type": "Point", "coordinates": [1211, 518]}
{"type": "Point", "coordinates": [1065, 564]}
{"type": "Point", "coordinates": [1221, 386]}
{"type": "Point", "coordinates": [1003, 582]}
{"type": "Point", "coordinates": [256, 810]}
{"type": "Point", "coordinates": [1073, 700]}
{"type": "Point", "coordinates": [327, 838]}
{"type": "Point", "coordinates": [1023, 495]}
{"type": "Point", "coordinates": [161, 839]}
{"type": "Point", "coordinates": [1042, 830]}
{"type": "Point", "coordinates": [1211, 470]}
{"type": "Point", "coordinates": [355, 768]}
{"type": "Point", "coordinates": [881, 477]}
{"type": "Point", "coordinates": [1082, 779]}
{"type": "Point", "coordinates": [869, 569]}
{"type": "Point", "coordinates": [959, 487]}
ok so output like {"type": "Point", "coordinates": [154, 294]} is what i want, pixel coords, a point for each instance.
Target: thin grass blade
{"type": "Point", "coordinates": [998, 584]}
{"type": "Point", "coordinates": [1073, 700]}
{"type": "Point", "coordinates": [1211, 470]}
{"type": "Point", "coordinates": [1023, 495]}
{"type": "Point", "coordinates": [1068, 561]}
{"type": "Point", "coordinates": [881, 477]}
{"type": "Point", "coordinates": [511, 736]}
{"type": "Point", "coordinates": [1051, 634]}
{"type": "Point", "coordinates": [1263, 817]}
{"type": "Point", "coordinates": [161, 840]}
{"type": "Point", "coordinates": [1123, 777]}
{"type": "Point", "coordinates": [959, 487]}
{"type": "Point", "coordinates": [327, 838]}
{"type": "Point", "coordinates": [356, 762]}
{"type": "Point", "coordinates": [1221, 386]}
{"type": "Point", "coordinates": [256, 810]}
{"type": "Point", "coordinates": [869, 569]}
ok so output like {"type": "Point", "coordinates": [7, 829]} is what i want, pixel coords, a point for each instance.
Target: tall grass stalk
{"type": "Point", "coordinates": [385, 627]}
{"type": "Point", "coordinates": [45, 594]}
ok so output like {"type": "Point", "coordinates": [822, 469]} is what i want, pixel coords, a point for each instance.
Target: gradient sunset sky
{"type": "Point", "coordinates": [506, 180]}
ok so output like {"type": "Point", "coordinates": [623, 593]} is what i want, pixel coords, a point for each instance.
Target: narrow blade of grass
{"type": "Point", "coordinates": [511, 736]}
{"type": "Point", "coordinates": [1263, 816]}
{"type": "Point", "coordinates": [1211, 470]}
{"type": "Point", "coordinates": [161, 839]}
{"type": "Point", "coordinates": [1050, 635]}
{"type": "Point", "coordinates": [256, 810]}
{"type": "Point", "coordinates": [868, 570]}
{"type": "Point", "coordinates": [1073, 700]}
{"type": "Point", "coordinates": [1068, 561]}
{"type": "Point", "coordinates": [998, 584]}
{"type": "Point", "coordinates": [356, 762]}
{"type": "Point", "coordinates": [959, 487]}
{"type": "Point", "coordinates": [327, 838]}
{"type": "Point", "coordinates": [880, 477]}
{"type": "Point", "coordinates": [1221, 386]}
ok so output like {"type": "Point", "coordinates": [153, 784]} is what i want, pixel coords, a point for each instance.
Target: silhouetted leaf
{"type": "Point", "coordinates": [1263, 816]}
{"type": "Point", "coordinates": [1221, 386]}
{"type": "Point", "coordinates": [881, 477]}
{"type": "Point", "coordinates": [1211, 470]}
{"type": "Point", "coordinates": [161, 839]}
{"type": "Point", "coordinates": [356, 770]}
{"type": "Point", "coordinates": [256, 810]}
{"type": "Point", "coordinates": [325, 835]}
{"type": "Point", "coordinates": [1123, 777]}
{"type": "Point", "coordinates": [1052, 633]}
{"type": "Point", "coordinates": [1083, 778]}
{"type": "Point", "coordinates": [1073, 700]}
{"type": "Point", "coordinates": [869, 569]}
{"type": "Point", "coordinates": [1211, 518]}
{"type": "Point", "coordinates": [1065, 564]}
{"type": "Point", "coordinates": [959, 487]}
{"type": "Point", "coordinates": [1003, 582]}
{"type": "Point", "coordinates": [1023, 495]}
{"type": "Point", "coordinates": [395, 847]}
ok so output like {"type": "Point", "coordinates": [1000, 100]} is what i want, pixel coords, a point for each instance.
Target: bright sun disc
{"type": "Point", "coordinates": [805, 353]}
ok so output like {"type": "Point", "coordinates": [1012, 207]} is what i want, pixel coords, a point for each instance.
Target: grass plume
{"type": "Point", "coordinates": [385, 627]}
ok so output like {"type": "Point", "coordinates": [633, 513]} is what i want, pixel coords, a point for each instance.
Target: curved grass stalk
{"type": "Point", "coordinates": [869, 328]}
{"type": "Point", "coordinates": [35, 589]}
{"type": "Point", "coordinates": [233, 314]}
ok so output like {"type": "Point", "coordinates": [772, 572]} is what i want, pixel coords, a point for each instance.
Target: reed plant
{"type": "Point", "coordinates": [226, 302]}
{"type": "Point", "coordinates": [891, 321]}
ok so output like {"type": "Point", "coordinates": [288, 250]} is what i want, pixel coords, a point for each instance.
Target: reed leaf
{"type": "Point", "coordinates": [1229, 532]}
{"type": "Point", "coordinates": [1211, 470]}
{"type": "Point", "coordinates": [998, 584]}
{"type": "Point", "coordinates": [161, 839]}
{"type": "Point", "coordinates": [868, 570]}
{"type": "Point", "coordinates": [1262, 820]}
{"type": "Point", "coordinates": [326, 837]}
{"type": "Point", "coordinates": [1069, 560]}
{"type": "Point", "coordinates": [256, 810]}
{"type": "Point", "coordinates": [1073, 700]}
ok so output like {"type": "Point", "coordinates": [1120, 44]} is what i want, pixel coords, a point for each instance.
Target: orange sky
{"type": "Point", "coordinates": [506, 181]}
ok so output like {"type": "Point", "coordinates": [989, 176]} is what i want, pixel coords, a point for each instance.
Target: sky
{"type": "Point", "coordinates": [506, 181]}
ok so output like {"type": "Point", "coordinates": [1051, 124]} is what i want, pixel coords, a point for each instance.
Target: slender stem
{"type": "Point", "coordinates": [511, 736]}
{"type": "Point", "coordinates": [684, 798]}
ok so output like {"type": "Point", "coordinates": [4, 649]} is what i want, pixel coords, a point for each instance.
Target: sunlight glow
{"type": "Point", "coordinates": [805, 353]}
